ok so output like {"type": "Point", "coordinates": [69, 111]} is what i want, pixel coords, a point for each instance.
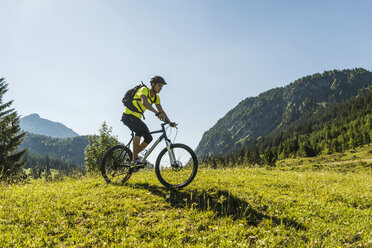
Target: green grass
{"type": "Point", "coordinates": [240, 207]}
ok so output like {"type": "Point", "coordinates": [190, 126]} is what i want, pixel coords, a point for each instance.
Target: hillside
{"type": "Point", "coordinates": [275, 109]}
{"type": "Point", "coordinates": [315, 204]}
{"type": "Point", "coordinates": [339, 127]}
{"type": "Point", "coordinates": [67, 149]}
{"type": "Point", "coordinates": [35, 124]}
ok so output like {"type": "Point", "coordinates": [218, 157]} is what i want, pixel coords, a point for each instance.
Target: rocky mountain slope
{"type": "Point", "coordinates": [277, 108]}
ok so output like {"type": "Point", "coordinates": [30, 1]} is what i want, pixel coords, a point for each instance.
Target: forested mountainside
{"type": "Point", "coordinates": [338, 128]}
{"type": "Point", "coordinates": [70, 150]}
{"type": "Point", "coordinates": [276, 109]}
{"type": "Point", "coordinates": [34, 124]}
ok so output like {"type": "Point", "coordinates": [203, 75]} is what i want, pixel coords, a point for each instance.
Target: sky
{"type": "Point", "coordinates": [72, 61]}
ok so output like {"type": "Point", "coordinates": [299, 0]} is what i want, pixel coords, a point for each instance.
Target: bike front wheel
{"type": "Point", "coordinates": [115, 165]}
{"type": "Point", "coordinates": [183, 169]}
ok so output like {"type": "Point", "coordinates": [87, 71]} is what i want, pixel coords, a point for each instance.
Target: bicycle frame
{"type": "Point", "coordinates": [167, 142]}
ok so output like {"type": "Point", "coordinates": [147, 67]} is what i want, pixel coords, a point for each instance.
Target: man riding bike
{"type": "Point", "coordinates": [143, 100]}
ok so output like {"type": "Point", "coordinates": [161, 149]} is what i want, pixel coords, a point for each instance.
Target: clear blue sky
{"type": "Point", "coordinates": [71, 61]}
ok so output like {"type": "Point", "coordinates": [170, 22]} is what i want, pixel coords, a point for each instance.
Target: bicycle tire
{"type": "Point", "coordinates": [165, 172]}
{"type": "Point", "coordinates": [115, 164]}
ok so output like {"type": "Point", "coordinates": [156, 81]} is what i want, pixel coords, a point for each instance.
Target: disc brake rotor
{"type": "Point", "coordinates": [177, 166]}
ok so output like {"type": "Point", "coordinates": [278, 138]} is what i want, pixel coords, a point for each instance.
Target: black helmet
{"type": "Point", "coordinates": [157, 79]}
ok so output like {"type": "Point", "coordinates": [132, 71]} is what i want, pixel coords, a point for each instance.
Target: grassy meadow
{"type": "Point", "coordinates": [312, 202]}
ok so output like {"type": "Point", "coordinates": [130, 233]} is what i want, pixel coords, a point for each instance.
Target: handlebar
{"type": "Point", "coordinates": [167, 123]}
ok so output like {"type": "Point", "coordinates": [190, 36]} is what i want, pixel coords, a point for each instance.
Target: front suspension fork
{"type": "Point", "coordinates": [172, 157]}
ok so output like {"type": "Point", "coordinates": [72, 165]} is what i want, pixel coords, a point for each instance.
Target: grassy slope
{"type": "Point", "coordinates": [290, 206]}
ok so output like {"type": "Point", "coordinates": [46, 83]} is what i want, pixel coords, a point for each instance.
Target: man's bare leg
{"type": "Point", "coordinates": [137, 147]}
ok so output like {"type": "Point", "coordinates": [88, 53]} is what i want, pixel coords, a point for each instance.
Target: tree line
{"type": "Point", "coordinates": [41, 166]}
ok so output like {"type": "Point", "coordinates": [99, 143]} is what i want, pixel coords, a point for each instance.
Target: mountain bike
{"type": "Point", "coordinates": [176, 165]}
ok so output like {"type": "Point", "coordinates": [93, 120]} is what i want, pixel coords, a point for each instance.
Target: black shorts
{"type": "Point", "coordinates": [137, 126]}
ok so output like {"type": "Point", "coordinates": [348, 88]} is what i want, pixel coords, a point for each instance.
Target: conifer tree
{"type": "Point", "coordinates": [10, 138]}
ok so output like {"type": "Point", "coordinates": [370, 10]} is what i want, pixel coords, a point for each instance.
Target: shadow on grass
{"type": "Point", "coordinates": [221, 202]}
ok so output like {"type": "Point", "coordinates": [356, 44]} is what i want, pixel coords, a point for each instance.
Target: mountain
{"type": "Point", "coordinates": [45, 138]}
{"type": "Point", "coordinates": [276, 109]}
{"type": "Point", "coordinates": [34, 124]}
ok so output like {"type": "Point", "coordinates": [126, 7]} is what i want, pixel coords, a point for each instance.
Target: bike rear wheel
{"type": "Point", "coordinates": [182, 171]}
{"type": "Point", "coordinates": [115, 165]}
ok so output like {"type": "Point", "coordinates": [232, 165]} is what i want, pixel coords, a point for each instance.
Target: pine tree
{"type": "Point", "coordinates": [11, 163]}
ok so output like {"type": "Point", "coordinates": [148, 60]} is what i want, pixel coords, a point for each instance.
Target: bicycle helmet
{"type": "Point", "coordinates": [157, 79]}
